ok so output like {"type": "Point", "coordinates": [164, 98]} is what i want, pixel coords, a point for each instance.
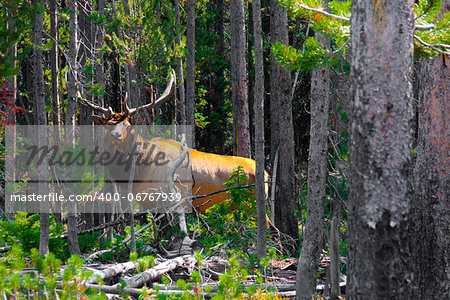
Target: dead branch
{"type": "Point", "coordinates": [433, 46]}
{"type": "Point", "coordinates": [141, 279]}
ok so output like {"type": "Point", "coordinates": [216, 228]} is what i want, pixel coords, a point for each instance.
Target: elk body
{"type": "Point", "coordinates": [209, 171]}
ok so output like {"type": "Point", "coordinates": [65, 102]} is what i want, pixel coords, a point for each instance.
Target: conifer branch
{"type": "Point", "coordinates": [433, 46]}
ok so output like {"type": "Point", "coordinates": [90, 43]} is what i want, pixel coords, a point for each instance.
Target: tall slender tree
{"type": "Point", "coordinates": [40, 118]}
{"type": "Point", "coordinates": [317, 181]}
{"type": "Point", "coordinates": [431, 208]}
{"type": "Point", "coordinates": [180, 77]}
{"type": "Point", "coordinates": [190, 66]}
{"type": "Point", "coordinates": [11, 85]}
{"type": "Point", "coordinates": [259, 130]}
{"type": "Point", "coordinates": [282, 130]}
{"type": "Point", "coordinates": [70, 121]}
{"type": "Point", "coordinates": [380, 150]}
{"type": "Point", "coordinates": [56, 117]}
{"type": "Point", "coordinates": [99, 62]}
{"type": "Point", "coordinates": [241, 127]}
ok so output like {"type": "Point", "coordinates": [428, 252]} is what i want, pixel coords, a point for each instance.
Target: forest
{"type": "Point", "coordinates": [224, 149]}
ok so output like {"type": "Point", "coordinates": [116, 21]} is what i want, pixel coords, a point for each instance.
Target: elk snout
{"type": "Point", "coordinates": [116, 135]}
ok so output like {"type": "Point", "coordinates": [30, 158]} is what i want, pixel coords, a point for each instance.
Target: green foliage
{"type": "Point", "coordinates": [428, 12]}
{"type": "Point", "coordinates": [44, 280]}
{"type": "Point", "coordinates": [20, 15]}
{"type": "Point", "coordinates": [23, 231]}
{"type": "Point", "coordinates": [333, 28]}
{"type": "Point", "coordinates": [232, 222]}
{"type": "Point", "coordinates": [313, 55]}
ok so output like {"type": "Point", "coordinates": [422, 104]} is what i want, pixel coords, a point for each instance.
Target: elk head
{"type": "Point", "coordinates": [120, 132]}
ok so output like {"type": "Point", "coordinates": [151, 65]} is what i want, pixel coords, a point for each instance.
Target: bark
{"type": "Point", "coordinates": [126, 67]}
{"type": "Point", "coordinates": [135, 95]}
{"type": "Point", "coordinates": [85, 53]}
{"type": "Point", "coordinates": [219, 135]}
{"type": "Point", "coordinates": [334, 254]}
{"type": "Point", "coordinates": [251, 77]}
{"type": "Point", "coordinates": [317, 182]}
{"type": "Point", "coordinates": [100, 100]}
{"type": "Point", "coordinates": [181, 92]}
{"type": "Point", "coordinates": [241, 128]}
{"type": "Point", "coordinates": [379, 265]}
{"type": "Point", "coordinates": [282, 130]}
{"type": "Point", "coordinates": [259, 131]}
{"type": "Point", "coordinates": [56, 117]}
{"type": "Point", "coordinates": [190, 66]}
{"type": "Point", "coordinates": [74, 248]}
{"type": "Point", "coordinates": [11, 85]}
{"type": "Point", "coordinates": [40, 118]}
{"type": "Point", "coordinates": [99, 69]}
{"type": "Point", "coordinates": [431, 207]}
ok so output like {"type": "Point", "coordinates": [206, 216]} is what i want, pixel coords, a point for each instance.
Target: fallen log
{"type": "Point", "coordinates": [141, 279]}
{"type": "Point", "coordinates": [111, 271]}
{"type": "Point", "coordinates": [5, 249]}
{"type": "Point", "coordinates": [116, 290]}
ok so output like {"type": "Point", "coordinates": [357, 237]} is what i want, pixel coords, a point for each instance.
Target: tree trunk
{"type": "Point", "coordinates": [11, 85]}
{"type": "Point", "coordinates": [56, 117]}
{"type": "Point", "coordinates": [282, 130]}
{"type": "Point", "coordinates": [190, 66]}
{"type": "Point", "coordinates": [74, 248]}
{"type": "Point", "coordinates": [259, 131]}
{"type": "Point", "coordinates": [334, 253]}
{"type": "Point", "coordinates": [135, 94]}
{"type": "Point", "coordinates": [85, 53]}
{"type": "Point", "coordinates": [241, 131]}
{"type": "Point", "coordinates": [99, 69]}
{"type": "Point", "coordinates": [308, 263]}
{"type": "Point", "coordinates": [100, 78]}
{"type": "Point", "coordinates": [40, 118]}
{"type": "Point", "coordinates": [251, 76]}
{"type": "Point", "coordinates": [379, 265]}
{"type": "Point", "coordinates": [181, 92]}
{"type": "Point", "coordinates": [431, 207]}
{"type": "Point", "coordinates": [219, 134]}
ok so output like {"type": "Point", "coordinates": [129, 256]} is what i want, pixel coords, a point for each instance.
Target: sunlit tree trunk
{"type": "Point", "coordinates": [282, 130]}
{"type": "Point", "coordinates": [56, 117]}
{"type": "Point", "coordinates": [379, 265]}
{"type": "Point", "coordinates": [259, 130]}
{"type": "Point", "coordinates": [40, 118]}
{"type": "Point", "coordinates": [74, 248]}
{"type": "Point", "coordinates": [181, 92]}
{"type": "Point", "coordinates": [190, 66]}
{"type": "Point", "coordinates": [241, 129]}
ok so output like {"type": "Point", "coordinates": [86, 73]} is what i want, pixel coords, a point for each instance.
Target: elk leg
{"type": "Point", "coordinates": [183, 225]}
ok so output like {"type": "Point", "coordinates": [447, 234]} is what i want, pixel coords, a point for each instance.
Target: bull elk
{"type": "Point", "coordinates": [209, 171]}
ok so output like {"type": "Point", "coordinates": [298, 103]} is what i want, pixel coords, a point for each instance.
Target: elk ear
{"type": "Point", "coordinates": [98, 120]}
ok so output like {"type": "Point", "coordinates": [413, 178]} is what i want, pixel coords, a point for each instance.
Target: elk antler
{"type": "Point", "coordinates": [125, 107]}
{"type": "Point", "coordinates": [168, 92]}
{"type": "Point", "coordinates": [108, 112]}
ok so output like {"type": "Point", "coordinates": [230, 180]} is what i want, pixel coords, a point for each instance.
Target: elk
{"type": "Point", "coordinates": [209, 171]}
